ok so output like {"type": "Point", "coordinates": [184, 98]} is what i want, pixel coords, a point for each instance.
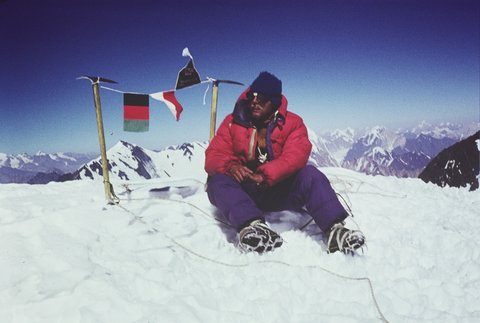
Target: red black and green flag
{"type": "Point", "coordinates": [135, 112]}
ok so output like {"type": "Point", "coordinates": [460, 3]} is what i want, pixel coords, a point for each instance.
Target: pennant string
{"type": "Point", "coordinates": [208, 80]}
{"type": "Point", "coordinates": [118, 91]}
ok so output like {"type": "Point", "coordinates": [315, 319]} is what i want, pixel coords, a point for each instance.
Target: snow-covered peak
{"type": "Point", "coordinates": [186, 160]}
{"type": "Point", "coordinates": [3, 159]}
{"type": "Point", "coordinates": [346, 134]}
{"type": "Point", "coordinates": [320, 155]}
{"type": "Point", "coordinates": [63, 156]}
{"type": "Point", "coordinates": [26, 158]}
{"type": "Point", "coordinates": [423, 125]}
{"type": "Point", "coordinates": [122, 145]}
{"type": "Point", "coordinates": [374, 135]}
{"type": "Point", "coordinates": [42, 163]}
{"type": "Point", "coordinates": [128, 161]}
{"type": "Point", "coordinates": [312, 136]}
{"type": "Point", "coordinates": [440, 130]}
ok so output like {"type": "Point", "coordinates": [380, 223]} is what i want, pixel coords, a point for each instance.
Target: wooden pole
{"type": "Point", "coordinates": [95, 80]}
{"type": "Point", "coordinates": [213, 110]}
{"type": "Point", "coordinates": [101, 138]}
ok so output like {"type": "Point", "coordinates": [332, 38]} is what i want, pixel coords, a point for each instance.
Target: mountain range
{"type": "Point", "coordinates": [375, 151]}
{"type": "Point", "coordinates": [39, 168]}
{"type": "Point", "coordinates": [131, 162]}
{"type": "Point", "coordinates": [403, 153]}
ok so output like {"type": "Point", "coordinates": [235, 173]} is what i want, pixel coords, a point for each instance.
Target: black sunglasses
{"type": "Point", "coordinates": [260, 97]}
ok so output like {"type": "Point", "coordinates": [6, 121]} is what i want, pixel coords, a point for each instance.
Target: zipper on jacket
{"type": "Point", "coordinates": [251, 148]}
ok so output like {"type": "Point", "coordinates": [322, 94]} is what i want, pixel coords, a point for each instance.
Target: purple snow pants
{"type": "Point", "coordinates": [242, 203]}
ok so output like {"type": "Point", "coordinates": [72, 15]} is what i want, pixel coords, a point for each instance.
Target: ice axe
{"type": "Point", "coordinates": [109, 194]}
{"type": "Point", "coordinates": [213, 110]}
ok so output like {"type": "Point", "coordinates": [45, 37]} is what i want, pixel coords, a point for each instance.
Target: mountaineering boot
{"type": "Point", "coordinates": [258, 237]}
{"type": "Point", "coordinates": [344, 240]}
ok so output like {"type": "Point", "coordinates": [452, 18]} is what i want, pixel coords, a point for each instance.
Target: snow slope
{"type": "Point", "coordinates": [65, 256]}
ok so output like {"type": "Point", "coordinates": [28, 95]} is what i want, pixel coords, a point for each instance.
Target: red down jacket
{"type": "Point", "coordinates": [235, 142]}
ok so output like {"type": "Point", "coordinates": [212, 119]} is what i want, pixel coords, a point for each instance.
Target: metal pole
{"type": "Point", "coordinates": [213, 110]}
{"type": "Point", "coordinates": [101, 137]}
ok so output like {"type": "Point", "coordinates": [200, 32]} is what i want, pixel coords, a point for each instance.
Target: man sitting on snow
{"type": "Point", "coordinates": [257, 162]}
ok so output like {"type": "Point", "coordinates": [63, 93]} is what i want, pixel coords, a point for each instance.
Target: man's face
{"type": "Point", "coordinates": [260, 106]}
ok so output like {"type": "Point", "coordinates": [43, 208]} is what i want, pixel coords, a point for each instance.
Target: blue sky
{"type": "Point", "coordinates": [342, 63]}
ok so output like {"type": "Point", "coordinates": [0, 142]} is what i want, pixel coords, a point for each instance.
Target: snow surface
{"type": "Point", "coordinates": [66, 256]}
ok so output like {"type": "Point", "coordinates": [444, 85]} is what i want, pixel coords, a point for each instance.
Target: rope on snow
{"type": "Point", "coordinates": [279, 262]}
{"type": "Point", "coordinates": [192, 252]}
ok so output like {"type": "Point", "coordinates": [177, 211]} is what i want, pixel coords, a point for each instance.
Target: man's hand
{"type": "Point", "coordinates": [240, 172]}
{"type": "Point", "coordinates": [257, 178]}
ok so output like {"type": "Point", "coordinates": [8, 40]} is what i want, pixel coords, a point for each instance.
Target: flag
{"type": "Point", "coordinates": [188, 75]}
{"type": "Point", "coordinates": [168, 97]}
{"type": "Point", "coordinates": [135, 112]}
